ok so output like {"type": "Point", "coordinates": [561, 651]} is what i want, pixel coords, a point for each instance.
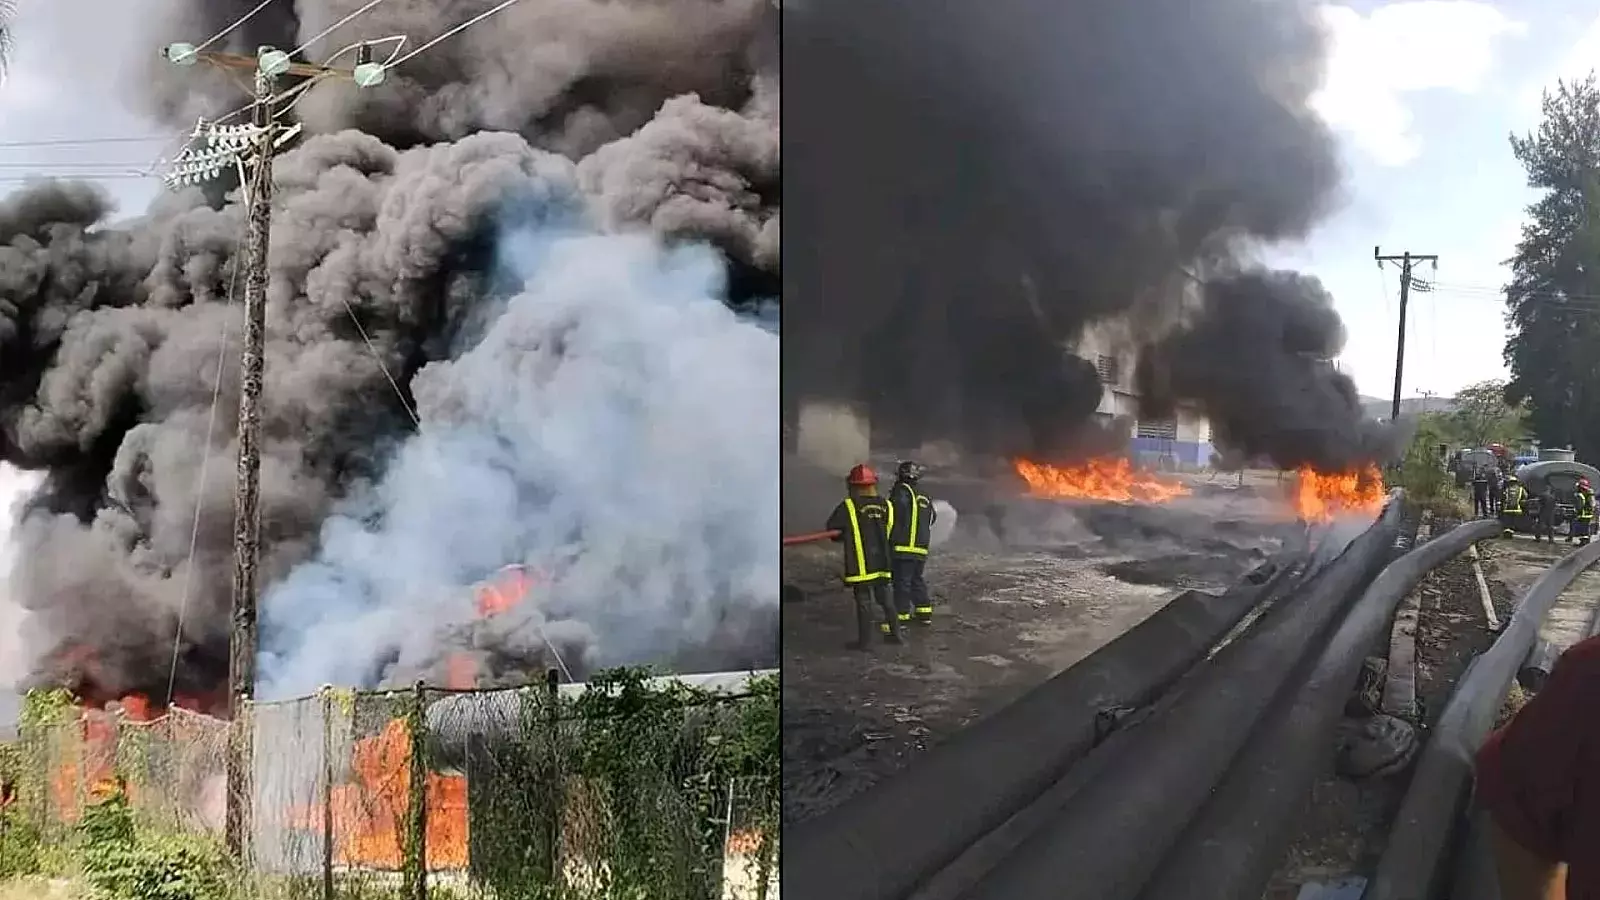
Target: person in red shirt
{"type": "Point", "coordinates": [1539, 781]}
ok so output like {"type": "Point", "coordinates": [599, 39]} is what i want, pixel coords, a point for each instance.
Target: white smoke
{"type": "Point", "coordinates": [615, 429]}
{"type": "Point", "coordinates": [14, 656]}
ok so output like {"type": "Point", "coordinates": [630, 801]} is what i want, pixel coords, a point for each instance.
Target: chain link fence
{"type": "Point", "coordinates": [627, 788]}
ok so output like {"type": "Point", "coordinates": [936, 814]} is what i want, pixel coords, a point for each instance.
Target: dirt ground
{"type": "Point", "coordinates": [1342, 832]}
{"type": "Point", "coordinates": [1019, 597]}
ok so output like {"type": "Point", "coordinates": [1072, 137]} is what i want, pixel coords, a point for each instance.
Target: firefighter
{"type": "Point", "coordinates": [862, 522]}
{"type": "Point", "coordinates": [1480, 492]}
{"type": "Point", "coordinates": [1497, 490]}
{"type": "Point", "coordinates": [1511, 510]}
{"type": "Point", "coordinates": [1583, 513]}
{"type": "Point", "coordinates": [1544, 527]}
{"type": "Point", "coordinates": [912, 516]}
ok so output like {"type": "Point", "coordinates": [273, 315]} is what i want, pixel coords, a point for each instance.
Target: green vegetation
{"type": "Point", "coordinates": [1422, 470]}
{"type": "Point", "coordinates": [1555, 283]}
{"type": "Point", "coordinates": [1483, 416]}
{"type": "Point", "coordinates": [635, 788]}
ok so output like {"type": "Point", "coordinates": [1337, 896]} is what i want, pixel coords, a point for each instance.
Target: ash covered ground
{"type": "Point", "coordinates": [1024, 589]}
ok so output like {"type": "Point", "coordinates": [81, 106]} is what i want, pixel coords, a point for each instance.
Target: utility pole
{"type": "Point", "coordinates": [261, 140]}
{"type": "Point", "coordinates": [1406, 260]}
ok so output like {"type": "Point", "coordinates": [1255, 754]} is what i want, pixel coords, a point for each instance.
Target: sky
{"type": "Point", "coordinates": [1423, 96]}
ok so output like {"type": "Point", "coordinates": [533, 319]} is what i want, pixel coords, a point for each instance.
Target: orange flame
{"type": "Point", "coordinates": [509, 587]}
{"type": "Point", "coordinates": [1324, 496]}
{"type": "Point", "coordinates": [1112, 479]}
{"type": "Point", "coordinates": [461, 672]}
{"type": "Point", "coordinates": [370, 811]}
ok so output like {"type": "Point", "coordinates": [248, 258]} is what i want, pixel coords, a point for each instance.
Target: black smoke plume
{"type": "Point", "coordinates": [395, 252]}
{"type": "Point", "coordinates": [999, 175]}
{"type": "Point", "coordinates": [1257, 359]}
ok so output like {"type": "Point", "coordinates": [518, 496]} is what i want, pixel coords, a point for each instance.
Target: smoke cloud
{"type": "Point", "coordinates": [437, 250]}
{"type": "Point", "coordinates": [1258, 360]}
{"type": "Point", "coordinates": [593, 434]}
{"type": "Point", "coordinates": [1006, 174]}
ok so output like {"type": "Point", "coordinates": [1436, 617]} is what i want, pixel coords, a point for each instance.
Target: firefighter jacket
{"type": "Point", "coordinates": [1584, 503]}
{"type": "Point", "coordinates": [863, 526]}
{"type": "Point", "coordinates": [1515, 495]}
{"type": "Point", "coordinates": [911, 516]}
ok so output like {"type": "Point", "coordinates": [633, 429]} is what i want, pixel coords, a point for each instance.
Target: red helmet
{"type": "Point", "coordinates": [1583, 482]}
{"type": "Point", "coordinates": [862, 476]}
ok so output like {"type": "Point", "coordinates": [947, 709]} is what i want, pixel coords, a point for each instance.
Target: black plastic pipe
{"type": "Point", "coordinates": [1414, 861]}
{"type": "Point", "coordinates": [1232, 848]}
{"type": "Point", "coordinates": [1141, 793]}
{"type": "Point", "coordinates": [883, 843]}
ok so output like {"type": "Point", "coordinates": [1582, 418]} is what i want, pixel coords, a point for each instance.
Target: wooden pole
{"type": "Point", "coordinates": [327, 793]}
{"type": "Point", "coordinates": [247, 489]}
{"type": "Point", "coordinates": [416, 860]}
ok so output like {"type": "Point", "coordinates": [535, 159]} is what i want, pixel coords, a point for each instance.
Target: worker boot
{"type": "Point", "coordinates": [924, 615]}
{"type": "Point", "coordinates": [863, 639]}
{"type": "Point", "coordinates": [892, 633]}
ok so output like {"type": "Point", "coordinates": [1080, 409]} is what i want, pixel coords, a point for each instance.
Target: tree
{"type": "Point", "coordinates": [1483, 416]}
{"type": "Point", "coordinates": [1556, 272]}
{"type": "Point", "coordinates": [8, 9]}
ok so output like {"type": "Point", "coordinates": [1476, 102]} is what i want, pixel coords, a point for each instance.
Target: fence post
{"type": "Point", "coordinates": [327, 792]}
{"type": "Point", "coordinates": [237, 826]}
{"type": "Point", "coordinates": [417, 809]}
{"type": "Point", "coordinates": [558, 802]}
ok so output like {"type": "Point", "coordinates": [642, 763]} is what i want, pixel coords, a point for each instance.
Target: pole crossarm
{"type": "Point", "coordinates": [1408, 262]}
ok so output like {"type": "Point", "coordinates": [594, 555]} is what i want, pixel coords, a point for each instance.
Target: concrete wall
{"type": "Point", "coordinates": [1183, 443]}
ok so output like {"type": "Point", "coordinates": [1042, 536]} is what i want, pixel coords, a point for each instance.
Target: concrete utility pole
{"type": "Point", "coordinates": [261, 140]}
{"type": "Point", "coordinates": [1406, 260]}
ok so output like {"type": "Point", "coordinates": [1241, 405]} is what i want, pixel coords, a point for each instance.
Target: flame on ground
{"type": "Point", "coordinates": [1109, 479]}
{"type": "Point", "coordinates": [1324, 496]}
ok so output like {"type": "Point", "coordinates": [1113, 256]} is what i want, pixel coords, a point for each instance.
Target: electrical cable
{"type": "Point", "coordinates": [224, 32]}
{"type": "Point", "coordinates": [200, 483]}
{"type": "Point", "coordinates": [454, 31]}
{"type": "Point", "coordinates": [331, 28]}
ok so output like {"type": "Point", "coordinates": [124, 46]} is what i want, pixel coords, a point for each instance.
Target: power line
{"type": "Point", "coordinates": [84, 141]}
{"type": "Point", "coordinates": [454, 31]}
{"type": "Point", "coordinates": [224, 32]}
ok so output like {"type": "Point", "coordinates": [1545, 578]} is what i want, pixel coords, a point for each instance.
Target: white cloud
{"type": "Point", "coordinates": [1581, 57]}
{"type": "Point", "coordinates": [1400, 49]}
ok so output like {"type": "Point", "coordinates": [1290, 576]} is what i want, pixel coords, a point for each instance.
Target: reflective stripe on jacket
{"type": "Point", "coordinates": [863, 526]}
{"type": "Point", "coordinates": [911, 515]}
{"type": "Point", "coordinates": [1515, 494]}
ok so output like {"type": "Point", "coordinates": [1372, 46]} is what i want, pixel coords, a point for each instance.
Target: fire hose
{"type": "Point", "coordinates": [1232, 848]}
{"type": "Point", "coordinates": [1413, 862]}
{"type": "Point", "coordinates": [1132, 798]}
{"type": "Point", "coordinates": [971, 783]}
{"type": "Point", "coordinates": [797, 539]}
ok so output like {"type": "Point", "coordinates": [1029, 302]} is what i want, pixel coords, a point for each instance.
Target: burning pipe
{"type": "Point", "coordinates": [1413, 862]}
{"type": "Point", "coordinates": [968, 785]}
{"type": "Point", "coordinates": [1132, 798]}
{"type": "Point", "coordinates": [1233, 847]}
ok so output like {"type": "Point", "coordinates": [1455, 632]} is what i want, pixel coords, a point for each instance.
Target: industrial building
{"type": "Point", "coordinates": [1179, 443]}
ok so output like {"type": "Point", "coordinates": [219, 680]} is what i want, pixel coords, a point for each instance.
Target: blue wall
{"type": "Point", "coordinates": [1154, 452]}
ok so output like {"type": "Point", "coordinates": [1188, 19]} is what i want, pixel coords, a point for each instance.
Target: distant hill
{"type": "Point", "coordinates": [1378, 407]}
